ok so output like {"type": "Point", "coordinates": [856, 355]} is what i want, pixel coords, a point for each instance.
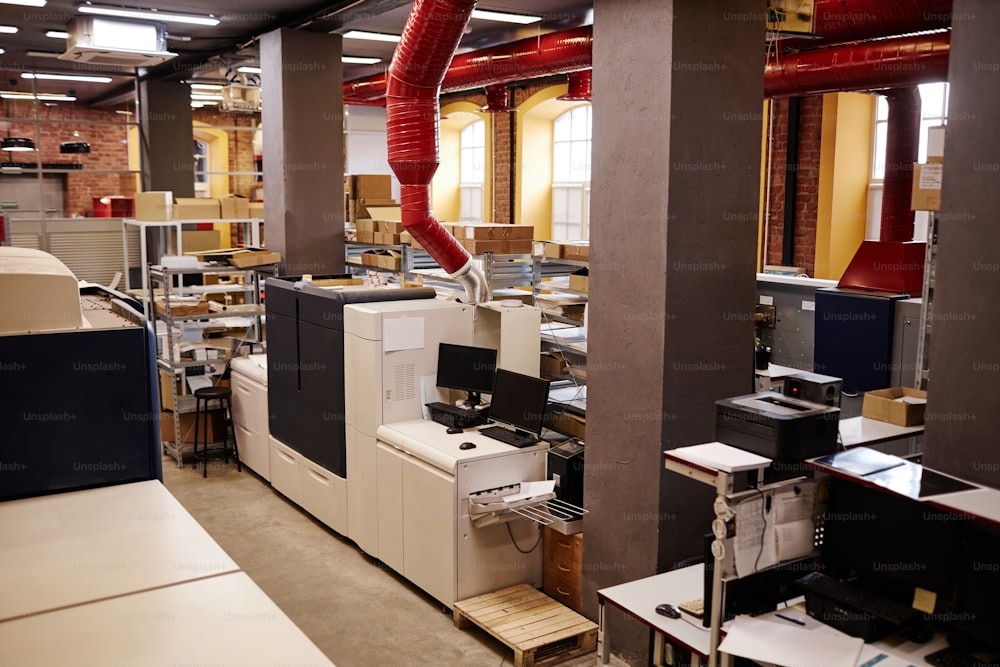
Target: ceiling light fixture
{"type": "Point", "coordinates": [66, 77]}
{"type": "Point", "coordinates": [42, 54]}
{"type": "Point", "coordinates": [74, 147]}
{"type": "Point", "coordinates": [44, 97]}
{"type": "Point", "coordinates": [17, 144]}
{"type": "Point", "coordinates": [8, 29]}
{"type": "Point", "coordinates": [247, 69]}
{"type": "Point", "coordinates": [3, 51]}
{"type": "Point", "coordinates": [359, 60]}
{"type": "Point", "coordinates": [206, 86]}
{"type": "Point", "coordinates": [57, 34]}
{"type": "Point", "coordinates": [148, 15]}
{"type": "Point", "coordinates": [24, 3]}
{"type": "Point", "coordinates": [205, 97]}
{"type": "Point", "coordinates": [371, 36]}
{"type": "Point", "coordinates": [504, 17]}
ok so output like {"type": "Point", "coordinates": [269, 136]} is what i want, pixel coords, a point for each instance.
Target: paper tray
{"type": "Point", "coordinates": [546, 510]}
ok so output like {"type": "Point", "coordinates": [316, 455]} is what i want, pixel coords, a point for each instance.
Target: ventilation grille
{"type": "Point", "coordinates": [91, 256]}
{"type": "Point", "coordinates": [26, 240]}
{"type": "Point", "coordinates": [405, 385]}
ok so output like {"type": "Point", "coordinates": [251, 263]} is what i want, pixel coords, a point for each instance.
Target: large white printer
{"type": "Point", "coordinates": [248, 378]}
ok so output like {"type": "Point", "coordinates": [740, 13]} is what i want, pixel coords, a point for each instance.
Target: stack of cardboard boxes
{"type": "Point", "coordinates": [162, 206]}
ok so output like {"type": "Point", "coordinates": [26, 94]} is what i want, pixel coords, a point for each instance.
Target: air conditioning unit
{"type": "Point", "coordinates": [236, 97]}
{"type": "Point", "coordinates": [102, 41]}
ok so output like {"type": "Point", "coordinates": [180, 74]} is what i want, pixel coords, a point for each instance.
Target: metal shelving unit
{"type": "Point", "coordinates": [168, 357]}
{"type": "Point", "coordinates": [926, 310]}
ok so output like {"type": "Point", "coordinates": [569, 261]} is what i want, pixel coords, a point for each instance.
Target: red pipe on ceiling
{"type": "Point", "coordinates": [838, 21]}
{"type": "Point", "coordinates": [902, 145]}
{"type": "Point", "coordinates": [885, 63]}
{"type": "Point", "coordinates": [432, 33]}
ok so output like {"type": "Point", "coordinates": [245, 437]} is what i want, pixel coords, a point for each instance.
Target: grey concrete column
{"type": "Point", "coordinates": [167, 140]}
{"type": "Point", "coordinates": [676, 178]}
{"type": "Point", "coordinates": [962, 407]}
{"type": "Point", "coordinates": [303, 120]}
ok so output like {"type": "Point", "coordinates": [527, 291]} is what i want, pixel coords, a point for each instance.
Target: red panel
{"type": "Point", "coordinates": [887, 266]}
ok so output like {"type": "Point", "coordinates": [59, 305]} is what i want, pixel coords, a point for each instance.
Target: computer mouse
{"type": "Point", "coordinates": [668, 610]}
{"type": "Point", "coordinates": [452, 430]}
{"type": "Point", "coordinates": [467, 445]}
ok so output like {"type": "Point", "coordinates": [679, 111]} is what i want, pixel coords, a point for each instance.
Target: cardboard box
{"type": "Point", "coordinates": [926, 187]}
{"type": "Point", "coordinates": [477, 247]}
{"type": "Point", "coordinates": [166, 395]}
{"type": "Point", "coordinates": [383, 238]}
{"type": "Point", "coordinates": [579, 280]}
{"type": "Point", "coordinates": [408, 239]}
{"type": "Point", "coordinates": [337, 282]}
{"type": "Point", "coordinates": [378, 209]}
{"type": "Point", "coordinates": [551, 363]}
{"type": "Point", "coordinates": [366, 225]}
{"type": "Point", "coordinates": [200, 239]}
{"type": "Point", "coordinates": [234, 207]}
{"type": "Point", "coordinates": [897, 405]}
{"type": "Point", "coordinates": [389, 227]}
{"type": "Point", "coordinates": [383, 258]}
{"type": "Point", "coordinates": [365, 236]}
{"type": "Point", "coordinates": [494, 232]}
{"type": "Point", "coordinates": [192, 208]}
{"type": "Point", "coordinates": [154, 206]}
{"type": "Point", "coordinates": [254, 257]}
{"type": "Point", "coordinates": [578, 250]}
{"type": "Point", "coordinates": [567, 423]}
{"type": "Point", "coordinates": [371, 186]}
{"type": "Point", "coordinates": [180, 308]}
{"type": "Point", "coordinates": [216, 427]}
{"type": "Point", "coordinates": [935, 144]}
{"type": "Point", "coordinates": [552, 249]}
{"type": "Point", "coordinates": [519, 247]}
{"type": "Point", "coordinates": [255, 209]}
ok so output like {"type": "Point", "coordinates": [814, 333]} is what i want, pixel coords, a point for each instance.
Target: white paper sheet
{"type": "Point", "coordinates": [532, 489]}
{"type": "Point", "coordinates": [719, 456]}
{"type": "Point", "coordinates": [751, 528]}
{"type": "Point", "coordinates": [403, 333]}
{"type": "Point", "coordinates": [784, 643]}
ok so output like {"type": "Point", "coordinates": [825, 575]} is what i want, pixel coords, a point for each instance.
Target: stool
{"type": "Point", "coordinates": [203, 397]}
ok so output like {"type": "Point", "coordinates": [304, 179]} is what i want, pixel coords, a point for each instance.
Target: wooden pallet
{"type": "Point", "coordinates": [540, 630]}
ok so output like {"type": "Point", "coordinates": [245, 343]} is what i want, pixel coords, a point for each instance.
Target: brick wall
{"type": "Point", "coordinates": [240, 144]}
{"type": "Point", "coordinates": [807, 182]}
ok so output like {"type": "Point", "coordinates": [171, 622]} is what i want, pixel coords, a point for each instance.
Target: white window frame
{"type": "Point", "coordinates": [471, 188]}
{"type": "Point", "coordinates": [571, 197]}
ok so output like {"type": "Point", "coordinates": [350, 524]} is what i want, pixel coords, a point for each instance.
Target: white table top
{"type": "Point", "coordinates": [858, 431]}
{"type": "Point", "coordinates": [223, 620]}
{"type": "Point", "coordinates": [428, 441]}
{"type": "Point", "coordinates": [640, 597]}
{"type": "Point", "coordinates": [72, 548]}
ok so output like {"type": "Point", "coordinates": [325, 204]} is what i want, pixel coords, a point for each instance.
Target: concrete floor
{"type": "Point", "coordinates": [356, 610]}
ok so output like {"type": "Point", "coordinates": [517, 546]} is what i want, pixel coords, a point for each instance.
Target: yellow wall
{"type": "Point", "coordinates": [533, 196]}
{"type": "Point", "coordinates": [218, 161]}
{"type": "Point", "coordinates": [445, 197]}
{"type": "Point", "coordinates": [845, 163]}
{"type": "Point", "coordinates": [761, 208]}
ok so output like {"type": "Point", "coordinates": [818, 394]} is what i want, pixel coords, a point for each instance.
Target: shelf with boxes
{"type": "Point", "coordinates": [198, 329]}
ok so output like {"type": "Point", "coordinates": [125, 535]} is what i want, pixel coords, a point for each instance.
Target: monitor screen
{"type": "Point", "coordinates": [470, 369]}
{"type": "Point", "coordinates": [890, 540]}
{"type": "Point", "coordinates": [520, 401]}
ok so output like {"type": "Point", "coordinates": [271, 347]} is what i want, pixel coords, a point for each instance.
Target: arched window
{"type": "Point", "coordinates": [201, 187]}
{"type": "Point", "coordinates": [571, 139]}
{"type": "Point", "coordinates": [473, 171]}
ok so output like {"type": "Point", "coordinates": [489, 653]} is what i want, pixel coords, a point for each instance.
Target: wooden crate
{"type": "Point", "coordinates": [540, 630]}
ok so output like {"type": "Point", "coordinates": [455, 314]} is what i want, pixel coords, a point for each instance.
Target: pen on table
{"type": "Point", "coordinates": [790, 619]}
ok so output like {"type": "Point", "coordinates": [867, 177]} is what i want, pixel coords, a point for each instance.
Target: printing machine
{"type": "Point", "coordinates": [79, 401]}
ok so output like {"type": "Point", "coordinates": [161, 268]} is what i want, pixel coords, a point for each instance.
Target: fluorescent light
{"type": "Point", "coordinates": [42, 54]}
{"type": "Point", "coordinates": [206, 86]}
{"type": "Point", "coordinates": [24, 3]}
{"type": "Point", "coordinates": [205, 96]}
{"type": "Point", "coordinates": [359, 60]}
{"type": "Point", "coordinates": [371, 36]}
{"type": "Point", "coordinates": [45, 97]}
{"type": "Point", "coordinates": [246, 69]}
{"type": "Point", "coordinates": [504, 17]}
{"type": "Point", "coordinates": [8, 29]}
{"type": "Point", "coordinates": [57, 34]}
{"type": "Point", "coordinates": [3, 51]}
{"type": "Point", "coordinates": [66, 77]}
{"type": "Point", "coordinates": [148, 14]}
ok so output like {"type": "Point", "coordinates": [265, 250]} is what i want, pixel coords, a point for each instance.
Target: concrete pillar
{"type": "Point", "coordinates": [303, 121]}
{"type": "Point", "coordinates": [167, 144]}
{"type": "Point", "coordinates": [962, 415]}
{"type": "Point", "coordinates": [674, 206]}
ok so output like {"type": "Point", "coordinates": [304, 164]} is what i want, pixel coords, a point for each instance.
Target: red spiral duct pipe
{"type": "Point", "coordinates": [580, 87]}
{"type": "Point", "coordinates": [429, 40]}
{"type": "Point", "coordinates": [839, 21]}
{"type": "Point", "coordinates": [497, 99]}
{"type": "Point", "coordinates": [887, 63]}
{"type": "Point", "coordinates": [901, 150]}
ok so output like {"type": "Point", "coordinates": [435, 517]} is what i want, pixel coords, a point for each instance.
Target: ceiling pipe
{"type": "Point", "coordinates": [901, 151]}
{"type": "Point", "coordinates": [580, 87]}
{"type": "Point", "coordinates": [497, 99]}
{"type": "Point", "coordinates": [885, 63]}
{"type": "Point", "coordinates": [838, 21]}
{"type": "Point", "coordinates": [432, 33]}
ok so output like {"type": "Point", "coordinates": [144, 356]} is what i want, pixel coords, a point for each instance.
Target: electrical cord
{"type": "Point", "coordinates": [763, 530]}
{"type": "Point", "coordinates": [514, 541]}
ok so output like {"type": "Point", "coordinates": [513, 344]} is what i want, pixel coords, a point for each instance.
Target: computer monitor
{"type": "Point", "coordinates": [974, 622]}
{"type": "Point", "coordinates": [891, 543]}
{"type": "Point", "coordinates": [519, 401]}
{"type": "Point", "coordinates": [469, 369]}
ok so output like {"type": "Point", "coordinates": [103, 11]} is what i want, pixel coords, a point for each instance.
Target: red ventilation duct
{"type": "Point", "coordinates": [497, 99]}
{"type": "Point", "coordinates": [901, 151]}
{"type": "Point", "coordinates": [580, 87]}
{"type": "Point", "coordinates": [886, 63]}
{"type": "Point", "coordinates": [840, 21]}
{"type": "Point", "coordinates": [428, 43]}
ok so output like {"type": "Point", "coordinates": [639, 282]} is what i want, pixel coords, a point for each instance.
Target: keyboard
{"type": "Point", "coordinates": [509, 437]}
{"type": "Point", "coordinates": [694, 607]}
{"type": "Point", "coordinates": [951, 657]}
{"type": "Point", "coordinates": [852, 609]}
